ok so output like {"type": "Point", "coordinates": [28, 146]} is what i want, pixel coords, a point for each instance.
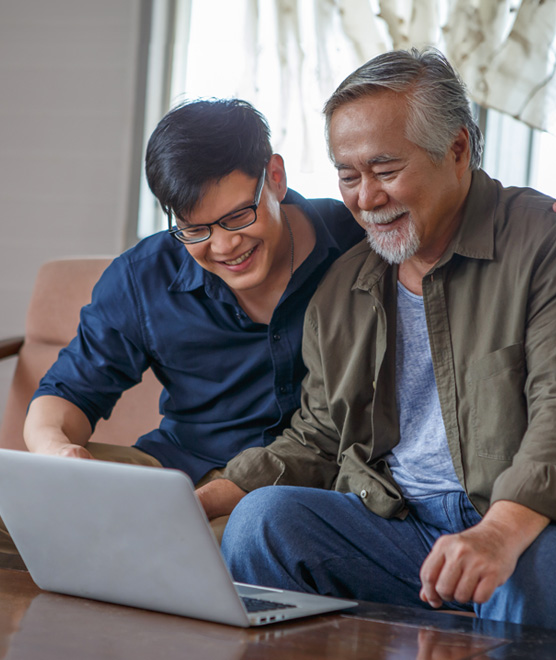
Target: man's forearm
{"type": "Point", "coordinates": [55, 426]}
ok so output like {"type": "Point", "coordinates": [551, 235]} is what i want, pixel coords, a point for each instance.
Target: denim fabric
{"type": "Point", "coordinates": [328, 542]}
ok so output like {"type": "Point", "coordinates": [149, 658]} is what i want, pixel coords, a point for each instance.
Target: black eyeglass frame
{"type": "Point", "coordinates": [174, 230]}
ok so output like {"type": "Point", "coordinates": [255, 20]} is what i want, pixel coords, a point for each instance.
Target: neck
{"type": "Point", "coordinates": [412, 271]}
{"type": "Point", "coordinates": [261, 302]}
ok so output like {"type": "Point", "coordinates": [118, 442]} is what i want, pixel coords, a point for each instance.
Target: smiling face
{"type": "Point", "coordinates": [409, 205]}
{"type": "Point", "coordinates": [251, 258]}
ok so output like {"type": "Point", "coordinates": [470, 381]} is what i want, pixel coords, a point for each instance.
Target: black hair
{"type": "Point", "coordinates": [200, 142]}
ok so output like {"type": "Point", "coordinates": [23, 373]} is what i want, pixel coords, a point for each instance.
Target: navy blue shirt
{"type": "Point", "coordinates": [228, 383]}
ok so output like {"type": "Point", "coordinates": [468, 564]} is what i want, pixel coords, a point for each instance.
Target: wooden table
{"type": "Point", "coordinates": [35, 625]}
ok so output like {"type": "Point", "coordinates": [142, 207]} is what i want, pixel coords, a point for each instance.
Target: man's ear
{"type": "Point", "coordinates": [461, 151]}
{"type": "Point", "coordinates": [276, 176]}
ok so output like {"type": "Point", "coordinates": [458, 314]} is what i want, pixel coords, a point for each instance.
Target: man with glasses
{"type": "Point", "coordinates": [217, 314]}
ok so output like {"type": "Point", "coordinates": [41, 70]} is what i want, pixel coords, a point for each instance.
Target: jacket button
{"type": "Point", "coordinates": [363, 494]}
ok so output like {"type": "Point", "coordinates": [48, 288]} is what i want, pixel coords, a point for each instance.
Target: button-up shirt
{"type": "Point", "coordinates": [228, 383]}
{"type": "Point", "coordinates": [490, 306]}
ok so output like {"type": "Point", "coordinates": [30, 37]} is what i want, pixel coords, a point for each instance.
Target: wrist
{"type": "Point", "coordinates": [219, 497]}
{"type": "Point", "coordinates": [518, 524]}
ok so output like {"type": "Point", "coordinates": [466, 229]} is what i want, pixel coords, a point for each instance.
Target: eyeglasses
{"type": "Point", "coordinates": [239, 219]}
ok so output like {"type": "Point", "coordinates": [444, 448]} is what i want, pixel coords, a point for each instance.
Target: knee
{"type": "Point", "coordinates": [259, 509]}
{"type": "Point", "coordinates": [262, 515]}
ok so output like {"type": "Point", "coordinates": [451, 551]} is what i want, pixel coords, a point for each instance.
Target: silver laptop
{"type": "Point", "coordinates": [131, 535]}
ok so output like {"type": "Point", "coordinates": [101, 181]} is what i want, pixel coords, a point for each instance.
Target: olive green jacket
{"type": "Point", "coordinates": [490, 304]}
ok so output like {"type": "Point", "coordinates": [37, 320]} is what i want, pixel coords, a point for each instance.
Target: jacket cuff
{"type": "Point", "coordinates": [254, 468]}
{"type": "Point", "coordinates": [533, 485]}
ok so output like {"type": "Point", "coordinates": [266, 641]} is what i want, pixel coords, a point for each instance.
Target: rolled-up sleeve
{"type": "Point", "coordinates": [531, 478]}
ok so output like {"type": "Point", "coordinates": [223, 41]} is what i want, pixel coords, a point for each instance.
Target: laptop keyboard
{"type": "Point", "coordinates": [258, 605]}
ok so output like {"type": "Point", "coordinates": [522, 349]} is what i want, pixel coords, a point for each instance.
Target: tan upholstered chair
{"type": "Point", "coordinates": [61, 289]}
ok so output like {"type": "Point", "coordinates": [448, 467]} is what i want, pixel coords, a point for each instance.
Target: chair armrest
{"type": "Point", "coordinates": [10, 346]}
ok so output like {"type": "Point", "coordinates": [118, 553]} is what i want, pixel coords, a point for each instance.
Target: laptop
{"type": "Point", "coordinates": [131, 535]}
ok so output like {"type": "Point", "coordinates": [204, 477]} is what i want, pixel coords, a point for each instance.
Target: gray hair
{"type": "Point", "coordinates": [436, 96]}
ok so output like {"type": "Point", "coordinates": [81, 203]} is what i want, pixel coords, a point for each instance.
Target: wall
{"type": "Point", "coordinates": [71, 113]}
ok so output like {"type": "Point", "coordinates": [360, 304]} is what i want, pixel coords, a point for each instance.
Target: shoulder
{"type": "Point", "coordinates": [525, 222]}
{"type": "Point", "coordinates": [513, 208]}
{"type": "Point", "coordinates": [157, 257]}
{"type": "Point", "coordinates": [345, 274]}
{"type": "Point", "coordinates": [145, 271]}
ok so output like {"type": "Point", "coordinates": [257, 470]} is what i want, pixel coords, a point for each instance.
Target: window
{"type": "Point", "coordinates": [518, 155]}
{"type": "Point", "coordinates": [206, 49]}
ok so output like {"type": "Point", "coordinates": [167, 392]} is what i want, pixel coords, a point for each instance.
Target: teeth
{"type": "Point", "coordinates": [241, 259]}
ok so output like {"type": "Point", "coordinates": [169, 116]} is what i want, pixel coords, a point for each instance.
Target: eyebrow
{"type": "Point", "coordinates": [376, 160]}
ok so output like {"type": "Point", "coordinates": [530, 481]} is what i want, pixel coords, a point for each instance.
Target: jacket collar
{"type": "Point", "coordinates": [475, 235]}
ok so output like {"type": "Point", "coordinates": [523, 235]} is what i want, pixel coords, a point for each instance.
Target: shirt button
{"type": "Point", "coordinates": [276, 337]}
{"type": "Point", "coordinates": [363, 494]}
{"type": "Point", "coordinates": [283, 389]}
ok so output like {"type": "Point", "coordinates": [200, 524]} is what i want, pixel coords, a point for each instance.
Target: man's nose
{"type": "Point", "coordinates": [371, 195]}
{"type": "Point", "coordinates": [223, 241]}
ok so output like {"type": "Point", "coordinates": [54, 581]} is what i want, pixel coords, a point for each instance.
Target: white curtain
{"type": "Point", "coordinates": [504, 49]}
{"type": "Point", "coordinates": [505, 53]}
{"type": "Point", "coordinates": [288, 56]}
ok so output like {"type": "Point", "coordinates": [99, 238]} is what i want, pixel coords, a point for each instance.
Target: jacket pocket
{"type": "Point", "coordinates": [497, 402]}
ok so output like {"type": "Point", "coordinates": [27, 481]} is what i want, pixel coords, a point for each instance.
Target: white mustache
{"type": "Point", "coordinates": [382, 217]}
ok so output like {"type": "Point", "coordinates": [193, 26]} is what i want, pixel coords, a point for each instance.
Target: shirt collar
{"type": "Point", "coordinates": [474, 237]}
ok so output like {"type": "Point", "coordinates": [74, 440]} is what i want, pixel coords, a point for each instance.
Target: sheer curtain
{"type": "Point", "coordinates": [287, 57]}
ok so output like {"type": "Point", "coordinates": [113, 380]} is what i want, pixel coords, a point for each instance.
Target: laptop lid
{"type": "Point", "coordinates": [127, 534]}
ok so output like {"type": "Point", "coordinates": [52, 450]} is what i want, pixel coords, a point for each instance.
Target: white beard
{"type": "Point", "coordinates": [394, 245]}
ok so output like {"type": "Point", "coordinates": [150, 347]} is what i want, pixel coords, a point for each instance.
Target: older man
{"type": "Point", "coordinates": [430, 403]}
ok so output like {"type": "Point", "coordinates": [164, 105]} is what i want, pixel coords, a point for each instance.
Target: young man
{"type": "Point", "coordinates": [430, 402]}
{"type": "Point", "coordinates": [214, 306]}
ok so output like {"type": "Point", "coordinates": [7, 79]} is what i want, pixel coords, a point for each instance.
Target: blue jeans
{"type": "Point", "coordinates": [327, 542]}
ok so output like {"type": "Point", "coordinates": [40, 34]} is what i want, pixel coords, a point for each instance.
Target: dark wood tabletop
{"type": "Point", "coordinates": [35, 625]}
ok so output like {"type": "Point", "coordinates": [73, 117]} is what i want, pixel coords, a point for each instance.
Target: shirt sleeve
{"type": "Point", "coordinates": [108, 354]}
{"type": "Point", "coordinates": [306, 454]}
{"type": "Point", "coordinates": [531, 478]}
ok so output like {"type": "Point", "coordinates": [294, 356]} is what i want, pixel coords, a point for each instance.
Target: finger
{"type": "Point", "coordinates": [465, 589]}
{"type": "Point", "coordinates": [430, 570]}
{"type": "Point", "coordinates": [484, 589]}
{"type": "Point", "coordinates": [448, 580]}
{"type": "Point", "coordinates": [75, 451]}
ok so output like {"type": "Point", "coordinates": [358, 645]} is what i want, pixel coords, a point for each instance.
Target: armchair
{"type": "Point", "coordinates": [62, 287]}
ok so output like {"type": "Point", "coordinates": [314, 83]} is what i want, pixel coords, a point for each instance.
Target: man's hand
{"type": "Point", "coordinates": [219, 497]}
{"type": "Point", "coordinates": [73, 451]}
{"type": "Point", "coordinates": [470, 565]}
